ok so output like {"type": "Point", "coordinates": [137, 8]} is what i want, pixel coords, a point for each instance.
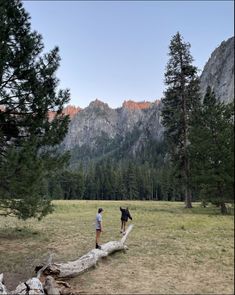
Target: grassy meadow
{"type": "Point", "coordinates": [172, 250]}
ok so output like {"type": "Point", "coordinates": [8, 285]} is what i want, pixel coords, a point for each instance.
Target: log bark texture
{"type": "Point", "coordinates": [3, 289]}
{"type": "Point", "coordinates": [31, 287]}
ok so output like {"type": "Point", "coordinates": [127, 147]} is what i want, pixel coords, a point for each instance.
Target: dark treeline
{"type": "Point", "coordinates": [109, 180]}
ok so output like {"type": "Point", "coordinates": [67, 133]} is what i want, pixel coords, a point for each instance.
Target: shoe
{"type": "Point", "coordinates": [124, 233]}
{"type": "Point", "coordinates": [97, 247]}
{"type": "Point", "coordinates": [120, 231]}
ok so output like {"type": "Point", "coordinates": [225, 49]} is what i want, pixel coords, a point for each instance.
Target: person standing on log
{"type": "Point", "coordinates": [124, 218]}
{"type": "Point", "coordinates": [98, 226]}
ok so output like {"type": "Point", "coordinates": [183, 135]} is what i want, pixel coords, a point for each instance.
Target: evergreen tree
{"type": "Point", "coordinates": [21, 187]}
{"type": "Point", "coordinates": [55, 190]}
{"type": "Point", "coordinates": [28, 93]}
{"type": "Point", "coordinates": [119, 184]}
{"type": "Point", "coordinates": [181, 97]}
{"type": "Point", "coordinates": [212, 150]}
{"type": "Point", "coordinates": [91, 183]}
{"type": "Point", "coordinates": [80, 183]}
{"type": "Point", "coordinates": [109, 179]}
{"type": "Point", "coordinates": [131, 184]}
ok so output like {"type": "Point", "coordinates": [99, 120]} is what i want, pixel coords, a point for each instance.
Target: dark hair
{"type": "Point", "coordinates": [100, 210]}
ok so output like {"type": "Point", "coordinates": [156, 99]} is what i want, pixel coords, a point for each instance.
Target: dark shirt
{"type": "Point", "coordinates": [125, 214]}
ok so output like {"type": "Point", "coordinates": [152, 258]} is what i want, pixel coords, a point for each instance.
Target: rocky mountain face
{"type": "Point", "coordinates": [101, 129]}
{"type": "Point", "coordinates": [219, 71]}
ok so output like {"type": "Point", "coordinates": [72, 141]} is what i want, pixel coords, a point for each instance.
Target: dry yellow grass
{"type": "Point", "coordinates": [172, 250]}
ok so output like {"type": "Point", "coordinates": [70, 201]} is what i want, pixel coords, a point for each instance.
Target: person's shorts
{"type": "Point", "coordinates": [98, 229]}
{"type": "Point", "coordinates": [122, 219]}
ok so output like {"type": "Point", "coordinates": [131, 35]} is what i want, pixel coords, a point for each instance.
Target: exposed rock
{"type": "Point", "coordinates": [94, 121]}
{"type": "Point", "coordinates": [98, 104]}
{"type": "Point", "coordinates": [132, 105]}
{"type": "Point", "coordinates": [71, 110]}
{"type": "Point", "coordinates": [219, 72]}
{"type": "Point", "coordinates": [98, 124]}
{"type": "Point", "coordinates": [68, 110]}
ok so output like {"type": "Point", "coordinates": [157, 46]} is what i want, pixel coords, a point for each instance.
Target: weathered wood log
{"type": "Point", "coordinates": [3, 289]}
{"type": "Point", "coordinates": [74, 268]}
{"type": "Point", "coordinates": [50, 287]}
{"type": "Point", "coordinates": [31, 287]}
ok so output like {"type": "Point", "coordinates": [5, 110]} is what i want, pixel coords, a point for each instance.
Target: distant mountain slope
{"type": "Point", "coordinates": [99, 130]}
{"type": "Point", "coordinates": [219, 71]}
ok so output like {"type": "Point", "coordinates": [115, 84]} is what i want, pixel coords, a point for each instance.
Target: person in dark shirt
{"type": "Point", "coordinates": [124, 218]}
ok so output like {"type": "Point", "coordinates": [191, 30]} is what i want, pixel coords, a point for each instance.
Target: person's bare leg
{"type": "Point", "coordinates": [97, 237]}
{"type": "Point", "coordinates": [121, 226]}
{"type": "Point", "coordinates": [124, 227]}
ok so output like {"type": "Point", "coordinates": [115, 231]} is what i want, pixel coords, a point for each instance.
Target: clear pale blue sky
{"type": "Point", "coordinates": [116, 50]}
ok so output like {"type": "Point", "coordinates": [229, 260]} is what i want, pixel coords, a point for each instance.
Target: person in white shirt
{"type": "Point", "coordinates": [98, 227]}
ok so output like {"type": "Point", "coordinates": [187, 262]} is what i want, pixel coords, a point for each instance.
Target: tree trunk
{"type": "Point", "coordinates": [50, 286]}
{"type": "Point", "coordinates": [188, 198]}
{"type": "Point", "coordinates": [223, 208]}
{"type": "Point", "coordinates": [221, 204]}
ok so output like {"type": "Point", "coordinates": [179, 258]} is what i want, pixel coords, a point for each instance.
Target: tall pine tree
{"type": "Point", "coordinates": [28, 93]}
{"type": "Point", "coordinates": [212, 150]}
{"type": "Point", "coordinates": [181, 97]}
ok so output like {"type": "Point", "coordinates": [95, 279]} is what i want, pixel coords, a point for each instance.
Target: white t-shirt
{"type": "Point", "coordinates": [98, 220]}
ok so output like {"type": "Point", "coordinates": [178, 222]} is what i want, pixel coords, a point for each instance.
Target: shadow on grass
{"type": "Point", "coordinates": [210, 210]}
{"type": "Point", "coordinates": [12, 233]}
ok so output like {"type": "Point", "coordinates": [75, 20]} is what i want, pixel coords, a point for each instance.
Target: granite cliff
{"type": "Point", "coordinates": [99, 129]}
{"type": "Point", "coordinates": [219, 71]}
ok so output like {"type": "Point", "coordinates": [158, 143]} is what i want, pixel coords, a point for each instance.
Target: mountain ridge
{"type": "Point", "coordinates": [72, 110]}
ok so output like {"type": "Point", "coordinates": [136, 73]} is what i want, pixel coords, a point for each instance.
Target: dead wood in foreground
{"type": "Point", "coordinates": [45, 282]}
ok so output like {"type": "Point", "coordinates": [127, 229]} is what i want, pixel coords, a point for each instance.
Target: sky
{"type": "Point", "coordinates": [118, 50]}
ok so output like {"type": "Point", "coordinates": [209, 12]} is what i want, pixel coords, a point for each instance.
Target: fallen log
{"type": "Point", "coordinates": [50, 286]}
{"type": "Point", "coordinates": [74, 268]}
{"type": "Point", "coordinates": [34, 286]}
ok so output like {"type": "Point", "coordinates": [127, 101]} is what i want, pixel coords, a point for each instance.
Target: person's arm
{"type": "Point", "coordinates": [121, 209]}
{"type": "Point", "coordinates": [129, 215]}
